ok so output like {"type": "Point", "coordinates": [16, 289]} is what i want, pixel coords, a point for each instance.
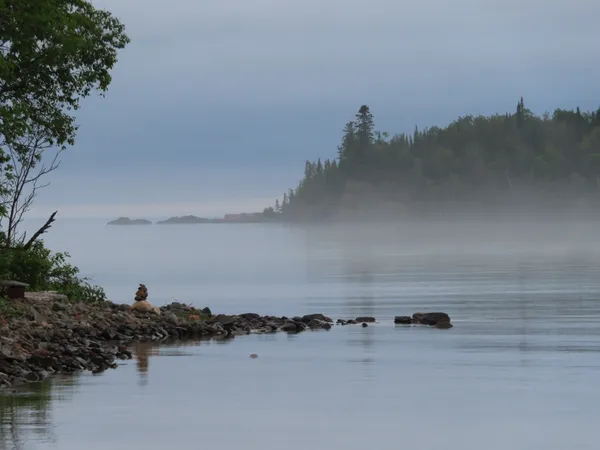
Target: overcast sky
{"type": "Point", "coordinates": [216, 104]}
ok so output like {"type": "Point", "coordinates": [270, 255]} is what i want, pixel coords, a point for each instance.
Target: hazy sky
{"type": "Point", "coordinates": [216, 104]}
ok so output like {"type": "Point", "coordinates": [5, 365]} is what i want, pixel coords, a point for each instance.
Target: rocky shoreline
{"type": "Point", "coordinates": [46, 334]}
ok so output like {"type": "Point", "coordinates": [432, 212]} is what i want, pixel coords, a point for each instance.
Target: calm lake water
{"type": "Point", "coordinates": [519, 371]}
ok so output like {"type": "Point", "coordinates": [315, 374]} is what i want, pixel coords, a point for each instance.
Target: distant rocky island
{"type": "Point", "coordinates": [228, 218]}
{"type": "Point", "coordinates": [128, 221]}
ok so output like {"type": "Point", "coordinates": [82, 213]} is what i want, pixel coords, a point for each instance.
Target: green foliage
{"type": "Point", "coordinates": [472, 159]}
{"type": "Point", "coordinates": [52, 54]}
{"type": "Point", "coordinates": [44, 270]}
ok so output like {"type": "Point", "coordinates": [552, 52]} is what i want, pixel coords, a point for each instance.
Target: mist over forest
{"type": "Point", "coordinates": [514, 163]}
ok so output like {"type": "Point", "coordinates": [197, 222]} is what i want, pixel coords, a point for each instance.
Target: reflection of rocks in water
{"type": "Point", "coordinates": [26, 412]}
{"type": "Point", "coordinates": [142, 352]}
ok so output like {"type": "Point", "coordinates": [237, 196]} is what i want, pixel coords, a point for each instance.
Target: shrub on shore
{"type": "Point", "coordinates": [44, 270]}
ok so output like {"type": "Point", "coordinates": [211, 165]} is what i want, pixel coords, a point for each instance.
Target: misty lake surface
{"type": "Point", "coordinates": [519, 370]}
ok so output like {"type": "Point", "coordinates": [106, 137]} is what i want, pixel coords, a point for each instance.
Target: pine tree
{"type": "Point", "coordinates": [346, 148]}
{"type": "Point", "coordinates": [307, 170]}
{"type": "Point", "coordinates": [319, 169]}
{"type": "Point", "coordinates": [520, 113]}
{"type": "Point", "coordinates": [364, 128]}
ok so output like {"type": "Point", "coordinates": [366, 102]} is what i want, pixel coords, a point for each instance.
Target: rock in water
{"type": "Point", "coordinates": [289, 327]}
{"type": "Point", "coordinates": [364, 325]}
{"type": "Point", "coordinates": [432, 318]}
{"type": "Point", "coordinates": [142, 293]}
{"type": "Point", "coordinates": [365, 319]}
{"type": "Point", "coordinates": [142, 306]}
{"type": "Point", "coordinates": [317, 324]}
{"type": "Point", "coordinates": [403, 320]}
{"type": "Point", "coordinates": [307, 318]}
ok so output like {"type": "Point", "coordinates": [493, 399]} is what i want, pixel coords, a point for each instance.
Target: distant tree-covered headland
{"type": "Point", "coordinates": [502, 160]}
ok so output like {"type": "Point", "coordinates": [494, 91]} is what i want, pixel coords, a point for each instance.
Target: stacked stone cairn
{"type": "Point", "coordinates": [141, 300]}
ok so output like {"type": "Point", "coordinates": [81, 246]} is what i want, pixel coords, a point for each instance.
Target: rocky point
{"type": "Point", "coordinates": [45, 333]}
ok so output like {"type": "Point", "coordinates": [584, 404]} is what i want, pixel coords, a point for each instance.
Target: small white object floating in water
{"type": "Point", "coordinates": [253, 356]}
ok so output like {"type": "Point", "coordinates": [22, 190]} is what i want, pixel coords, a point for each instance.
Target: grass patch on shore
{"type": "Point", "coordinates": [194, 314]}
{"type": "Point", "coordinates": [188, 312]}
{"type": "Point", "coordinates": [10, 310]}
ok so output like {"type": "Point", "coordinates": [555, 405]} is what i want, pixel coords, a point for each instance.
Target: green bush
{"type": "Point", "coordinates": [47, 271]}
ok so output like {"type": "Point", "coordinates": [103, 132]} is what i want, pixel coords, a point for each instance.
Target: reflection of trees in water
{"type": "Point", "coordinates": [26, 413]}
{"type": "Point", "coordinates": [350, 257]}
{"type": "Point", "coordinates": [358, 264]}
{"type": "Point", "coordinates": [522, 280]}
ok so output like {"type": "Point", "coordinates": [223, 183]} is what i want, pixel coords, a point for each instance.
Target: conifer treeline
{"type": "Point", "coordinates": [475, 158]}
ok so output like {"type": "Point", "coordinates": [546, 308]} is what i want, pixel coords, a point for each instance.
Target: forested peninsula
{"type": "Point", "coordinates": [512, 161]}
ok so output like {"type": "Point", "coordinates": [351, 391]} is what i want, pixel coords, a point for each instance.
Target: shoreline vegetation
{"type": "Point", "coordinates": [46, 333]}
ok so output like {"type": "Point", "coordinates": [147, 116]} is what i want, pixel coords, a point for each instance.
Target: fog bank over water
{"type": "Point", "coordinates": [234, 267]}
{"type": "Point", "coordinates": [518, 371]}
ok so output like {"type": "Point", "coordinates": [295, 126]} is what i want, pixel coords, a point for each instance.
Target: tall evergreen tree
{"type": "Point", "coordinates": [520, 113]}
{"type": "Point", "coordinates": [348, 145]}
{"type": "Point", "coordinates": [364, 128]}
